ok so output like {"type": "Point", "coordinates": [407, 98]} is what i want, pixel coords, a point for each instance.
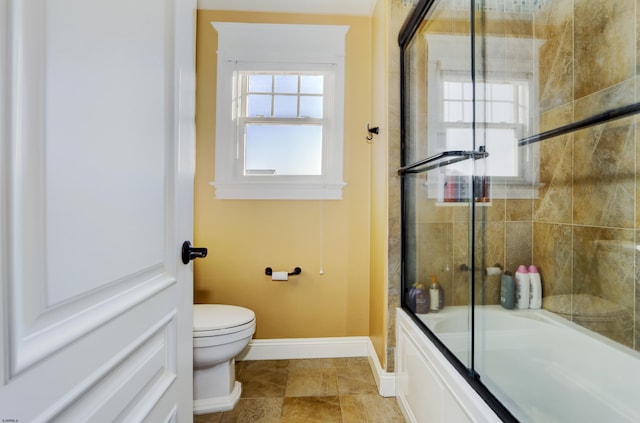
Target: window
{"type": "Point", "coordinates": [281, 122]}
{"type": "Point", "coordinates": [280, 107]}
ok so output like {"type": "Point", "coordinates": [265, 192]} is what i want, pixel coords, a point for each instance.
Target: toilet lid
{"type": "Point", "coordinates": [207, 317]}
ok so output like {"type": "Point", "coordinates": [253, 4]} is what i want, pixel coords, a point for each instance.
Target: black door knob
{"type": "Point", "coordinates": [189, 253]}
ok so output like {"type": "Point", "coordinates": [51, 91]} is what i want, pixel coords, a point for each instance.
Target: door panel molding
{"type": "Point", "coordinates": [63, 325]}
{"type": "Point", "coordinates": [146, 368]}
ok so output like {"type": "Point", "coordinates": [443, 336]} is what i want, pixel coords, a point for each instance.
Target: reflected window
{"type": "Point", "coordinates": [501, 117]}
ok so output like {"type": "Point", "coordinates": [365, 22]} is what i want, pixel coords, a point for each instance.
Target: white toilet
{"type": "Point", "coordinates": [220, 332]}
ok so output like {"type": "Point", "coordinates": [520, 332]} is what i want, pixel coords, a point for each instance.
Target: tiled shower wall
{"type": "Point", "coordinates": [586, 218]}
{"type": "Point", "coordinates": [583, 225]}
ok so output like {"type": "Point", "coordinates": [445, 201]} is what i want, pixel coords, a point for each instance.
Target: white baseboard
{"type": "Point", "coordinates": [291, 348]}
{"type": "Point", "coordinates": [386, 381]}
{"type": "Point", "coordinates": [297, 348]}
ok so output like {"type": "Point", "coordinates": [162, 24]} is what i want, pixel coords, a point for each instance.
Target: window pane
{"type": "Point", "coordinates": [503, 152]}
{"type": "Point", "coordinates": [285, 106]}
{"type": "Point", "coordinates": [260, 83]}
{"type": "Point", "coordinates": [452, 111]}
{"type": "Point", "coordinates": [453, 90]}
{"type": "Point", "coordinates": [283, 149]}
{"type": "Point", "coordinates": [467, 91]}
{"type": "Point", "coordinates": [502, 92]}
{"type": "Point", "coordinates": [502, 112]}
{"type": "Point", "coordinates": [311, 84]}
{"type": "Point", "coordinates": [286, 83]}
{"type": "Point", "coordinates": [311, 106]}
{"type": "Point", "coordinates": [258, 105]}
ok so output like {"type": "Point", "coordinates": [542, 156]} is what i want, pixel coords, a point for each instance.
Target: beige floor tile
{"type": "Point", "coordinates": [255, 410]}
{"type": "Point", "coordinates": [370, 408]}
{"type": "Point", "coordinates": [315, 363]}
{"type": "Point", "coordinates": [207, 418]}
{"type": "Point", "coordinates": [356, 380]}
{"type": "Point", "coordinates": [263, 382]}
{"type": "Point", "coordinates": [312, 410]}
{"type": "Point", "coordinates": [311, 382]}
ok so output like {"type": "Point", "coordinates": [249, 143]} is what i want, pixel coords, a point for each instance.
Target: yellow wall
{"type": "Point", "coordinates": [244, 237]}
{"type": "Point", "coordinates": [379, 192]}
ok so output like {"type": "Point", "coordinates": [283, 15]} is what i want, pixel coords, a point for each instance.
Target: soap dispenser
{"type": "Point", "coordinates": [436, 294]}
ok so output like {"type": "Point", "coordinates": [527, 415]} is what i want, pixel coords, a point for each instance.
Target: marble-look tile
{"type": "Point", "coordinates": [518, 245]}
{"type": "Point", "coordinates": [604, 264]}
{"type": "Point", "coordinates": [356, 380]}
{"type": "Point", "coordinates": [434, 255]}
{"type": "Point", "coordinates": [263, 378]}
{"type": "Point", "coordinates": [554, 202]}
{"type": "Point", "coordinates": [598, 25]}
{"type": "Point", "coordinates": [255, 410]}
{"type": "Point", "coordinates": [489, 244]}
{"type": "Point", "coordinates": [324, 409]}
{"type": "Point", "coordinates": [308, 382]}
{"type": "Point", "coordinates": [637, 40]}
{"type": "Point", "coordinates": [370, 409]}
{"type": "Point", "coordinates": [519, 210]}
{"type": "Point", "coordinates": [637, 132]}
{"type": "Point", "coordinates": [604, 176]}
{"type": "Point", "coordinates": [637, 299]}
{"type": "Point", "coordinates": [618, 95]}
{"type": "Point", "coordinates": [554, 25]}
{"type": "Point", "coordinates": [207, 418]}
{"type": "Point", "coordinates": [552, 254]}
{"type": "Point", "coordinates": [318, 363]}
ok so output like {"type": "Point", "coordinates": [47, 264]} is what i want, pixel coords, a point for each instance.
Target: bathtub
{"type": "Point", "coordinates": [542, 367]}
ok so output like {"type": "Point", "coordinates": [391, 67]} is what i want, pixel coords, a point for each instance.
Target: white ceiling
{"type": "Point", "coordinates": [322, 7]}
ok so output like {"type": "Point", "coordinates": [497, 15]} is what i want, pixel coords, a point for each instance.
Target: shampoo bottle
{"type": "Point", "coordinates": [522, 287]}
{"type": "Point", "coordinates": [535, 288]}
{"type": "Point", "coordinates": [507, 291]}
{"type": "Point", "coordinates": [422, 298]}
{"type": "Point", "coordinates": [436, 295]}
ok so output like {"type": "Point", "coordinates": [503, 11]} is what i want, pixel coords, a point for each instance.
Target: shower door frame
{"type": "Point", "coordinates": [406, 34]}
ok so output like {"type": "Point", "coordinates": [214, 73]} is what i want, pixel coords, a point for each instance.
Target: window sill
{"type": "Point", "coordinates": [277, 191]}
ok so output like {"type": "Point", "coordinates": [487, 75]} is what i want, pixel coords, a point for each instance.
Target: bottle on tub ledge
{"type": "Point", "coordinates": [436, 294]}
{"type": "Point", "coordinates": [419, 298]}
{"type": "Point", "coordinates": [535, 288]}
{"type": "Point", "coordinates": [507, 291]}
{"type": "Point", "coordinates": [522, 287]}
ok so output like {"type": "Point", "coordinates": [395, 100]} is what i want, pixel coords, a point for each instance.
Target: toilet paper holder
{"type": "Point", "coordinates": [296, 271]}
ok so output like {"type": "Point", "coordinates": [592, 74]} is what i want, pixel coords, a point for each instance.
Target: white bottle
{"type": "Point", "coordinates": [522, 287]}
{"type": "Point", "coordinates": [434, 293]}
{"type": "Point", "coordinates": [535, 288]}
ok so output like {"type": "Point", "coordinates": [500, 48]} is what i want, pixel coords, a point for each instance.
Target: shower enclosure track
{"type": "Point", "coordinates": [607, 116]}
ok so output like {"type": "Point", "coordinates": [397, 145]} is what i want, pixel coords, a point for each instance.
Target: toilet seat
{"type": "Point", "coordinates": [220, 319]}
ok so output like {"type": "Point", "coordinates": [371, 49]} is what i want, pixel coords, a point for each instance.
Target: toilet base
{"type": "Point", "coordinates": [217, 404]}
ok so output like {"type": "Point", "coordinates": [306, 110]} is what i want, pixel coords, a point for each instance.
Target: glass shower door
{"type": "Point", "coordinates": [437, 176]}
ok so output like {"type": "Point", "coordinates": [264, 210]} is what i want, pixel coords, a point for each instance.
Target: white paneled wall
{"type": "Point", "coordinates": [428, 388]}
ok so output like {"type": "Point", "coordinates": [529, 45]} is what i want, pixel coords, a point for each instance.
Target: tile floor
{"type": "Point", "coordinates": [325, 390]}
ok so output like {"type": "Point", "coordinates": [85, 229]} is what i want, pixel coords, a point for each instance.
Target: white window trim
{"type": "Point", "coordinates": [287, 46]}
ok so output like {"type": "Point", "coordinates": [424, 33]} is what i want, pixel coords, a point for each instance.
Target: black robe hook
{"type": "Point", "coordinates": [372, 131]}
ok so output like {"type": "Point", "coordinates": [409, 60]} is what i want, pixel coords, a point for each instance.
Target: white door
{"type": "Point", "coordinates": [96, 166]}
